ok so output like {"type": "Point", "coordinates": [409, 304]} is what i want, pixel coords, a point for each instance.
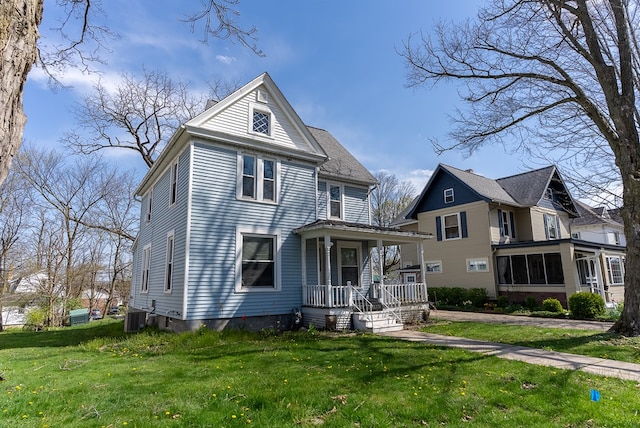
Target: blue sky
{"type": "Point", "coordinates": [335, 61]}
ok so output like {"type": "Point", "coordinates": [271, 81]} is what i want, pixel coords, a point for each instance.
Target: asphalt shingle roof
{"type": "Point", "coordinates": [341, 164]}
{"type": "Point", "coordinates": [529, 187]}
{"type": "Point", "coordinates": [484, 186]}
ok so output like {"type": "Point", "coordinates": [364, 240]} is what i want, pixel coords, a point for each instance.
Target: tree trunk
{"type": "Point", "coordinates": [629, 324]}
{"type": "Point", "coordinates": [19, 21]}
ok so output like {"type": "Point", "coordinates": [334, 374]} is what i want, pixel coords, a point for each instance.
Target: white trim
{"type": "Point", "coordinates": [168, 280]}
{"type": "Point", "coordinates": [258, 231]}
{"type": "Point", "coordinates": [145, 272]}
{"type": "Point", "coordinates": [341, 187]}
{"type": "Point", "coordinates": [187, 240]}
{"type": "Point", "coordinates": [358, 248]}
{"type": "Point", "coordinates": [173, 182]}
{"type": "Point", "coordinates": [475, 262]}
{"type": "Point", "coordinates": [443, 227]}
{"type": "Point", "coordinates": [433, 262]}
{"type": "Point", "coordinates": [449, 193]}
{"type": "Point", "coordinates": [261, 108]}
{"type": "Point", "coordinates": [258, 178]}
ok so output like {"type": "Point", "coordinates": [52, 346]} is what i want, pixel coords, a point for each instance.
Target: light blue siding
{"type": "Point", "coordinates": [164, 218]}
{"type": "Point", "coordinates": [356, 204]}
{"type": "Point", "coordinates": [322, 200]}
{"type": "Point", "coordinates": [216, 213]}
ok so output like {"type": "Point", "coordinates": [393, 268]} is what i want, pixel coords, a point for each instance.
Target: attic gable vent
{"type": "Point", "coordinates": [262, 97]}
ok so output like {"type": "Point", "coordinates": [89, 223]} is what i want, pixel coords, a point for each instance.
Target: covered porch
{"type": "Point", "coordinates": [339, 288]}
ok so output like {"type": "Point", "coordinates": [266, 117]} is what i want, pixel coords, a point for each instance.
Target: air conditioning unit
{"type": "Point", "coordinates": [134, 321]}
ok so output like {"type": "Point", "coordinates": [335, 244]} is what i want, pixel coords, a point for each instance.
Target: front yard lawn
{"type": "Point", "coordinates": [95, 376]}
{"type": "Point", "coordinates": [582, 342]}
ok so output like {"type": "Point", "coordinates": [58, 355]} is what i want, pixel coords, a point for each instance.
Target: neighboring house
{"type": "Point", "coordinates": [511, 236]}
{"type": "Point", "coordinates": [248, 215]}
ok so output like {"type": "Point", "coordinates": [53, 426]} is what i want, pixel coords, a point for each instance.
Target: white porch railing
{"type": "Point", "coordinates": [342, 296]}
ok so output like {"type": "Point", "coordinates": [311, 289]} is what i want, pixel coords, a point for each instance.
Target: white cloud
{"type": "Point", "coordinates": [417, 177]}
{"type": "Point", "coordinates": [225, 59]}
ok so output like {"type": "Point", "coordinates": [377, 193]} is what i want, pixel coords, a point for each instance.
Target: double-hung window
{"type": "Point", "coordinates": [258, 260]}
{"type": "Point", "coordinates": [451, 226]}
{"type": "Point", "coordinates": [551, 225]}
{"type": "Point", "coordinates": [146, 267]}
{"type": "Point", "coordinates": [448, 196]}
{"type": "Point", "coordinates": [335, 201]}
{"type": "Point", "coordinates": [168, 276]}
{"type": "Point", "coordinates": [257, 178]}
{"type": "Point", "coordinates": [174, 183]}
{"type": "Point", "coordinates": [507, 228]}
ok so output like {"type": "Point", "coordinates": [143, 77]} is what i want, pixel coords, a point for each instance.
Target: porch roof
{"type": "Point", "coordinates": [340, 229]}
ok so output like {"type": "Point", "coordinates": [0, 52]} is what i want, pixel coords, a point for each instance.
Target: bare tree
{"type": "Point", "coordinates": [140, 115]}
{"type": "Point", "coordinates": [388, 199]}
{"type": "Point", "coordinates": [13, 217]}
{"type": "Point", "coordinates": [559, 74]}
{"type": "Point", "coordinates": [81, 39]}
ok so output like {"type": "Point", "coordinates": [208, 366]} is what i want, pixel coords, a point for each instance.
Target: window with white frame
{"type": "Point", "coordinates": [168, 275]}
{"type": "Point", "coordinates": [433, 266]}
{"type": "Point", "coordinates": [551, 224]}
{"type": "Point", "coordinates": [615, 270]}
{"type": "Point", "coordinates": [349, 264]}
{"type": "Point", "coordinates": [477, 265]}
{"type": "Point", "coordinates": [448, 196]}
{"type": "Point", "coordinates": [149, 205]}
{"type": "Point", "coordinates": [174, 183]}
{"type": "Point", "coordinates": [146, 267]}
{"type": "Point", "coordinates": [261, 122]}
{"type": "Point", "coordinates": [451, 226]}
{"type": "Point", "coordinates": [616, 238]}
{"type": "Point", "coordinates": [335, 201]}
{"type": "Point", "coordinates": [507, 227]}
{"type": "Point", "coordinates": [257, 178]}
{"type": "Point", "coordinates": [410, 278]}
{"type": "Point", "coordinates": [258, 260]}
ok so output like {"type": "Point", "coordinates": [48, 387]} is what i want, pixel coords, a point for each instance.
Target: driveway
{"type": "Point", "coordinates": [519, 320]}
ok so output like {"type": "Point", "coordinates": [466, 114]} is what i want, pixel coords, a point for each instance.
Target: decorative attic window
{"type": "Point", "coordinates": [448, 196]}
{"type": "Point", "coordinates": [261, 122]}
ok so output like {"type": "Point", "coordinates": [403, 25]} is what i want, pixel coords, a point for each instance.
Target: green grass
{"type": "Point", "coordinates": [583, 342]}
{"type": "Point", "coordinates": [95, 376]}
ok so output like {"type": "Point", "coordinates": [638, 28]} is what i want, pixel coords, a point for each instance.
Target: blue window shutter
{"type": "Point", "coordinates": [513, 225]}
{"type": "Point", "coordinates": [500, 222]}
{"type": "Point", "coordinates": [546, 228]}
{"type": "Point", "coordinates": [463, 223]}
{"type": "Point", "coordinates": [439, 228]}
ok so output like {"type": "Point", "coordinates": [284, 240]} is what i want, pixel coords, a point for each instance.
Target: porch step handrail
{"type": "Point", "coordinates": [361, 302]}
{"type": "Point", "coordinates": [392, 304]}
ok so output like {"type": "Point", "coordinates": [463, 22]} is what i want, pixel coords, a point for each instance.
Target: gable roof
{"type": "Point", "coordinates": [528, 187]}
{"type": "Point", "coordinates": [340, 164]}
{"type": "Point", "coordinates": [520, 190]}
{"type": "Point", "coordinates": [590, 216]}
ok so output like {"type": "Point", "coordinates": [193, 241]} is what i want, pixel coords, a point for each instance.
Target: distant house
{"type": "Point", "coordinates": [511, 236]}
{"type": "Point", "coordinates": [248, 214]}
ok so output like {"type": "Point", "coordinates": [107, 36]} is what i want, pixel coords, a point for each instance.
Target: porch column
{"type": "Point", "coordinates": [327, 273]}
{"type": "Point", "coordinates": [303, 252]}
{"type": "Point", "coordinates": [381, 270]}
{"type": "Point", "coordinates": [423, 276]}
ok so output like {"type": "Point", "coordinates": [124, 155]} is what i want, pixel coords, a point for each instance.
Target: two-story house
{"type": "Point", "coordinates": [248, 215]}
{"type": "Point", "coordinates": [511, 236]}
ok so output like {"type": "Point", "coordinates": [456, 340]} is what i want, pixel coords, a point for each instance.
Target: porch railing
{"type": "Point", "coordinates": [343, 296]}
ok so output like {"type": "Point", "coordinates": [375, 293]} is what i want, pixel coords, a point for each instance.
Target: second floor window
{"type": "Point", "coordinates": [451, 226]}
{"type": "Point", "coordinates": [258, 178]}
{"type": "Point", "coordinates": [335, 201]}
{"type": "Point", "coordinates": [552, 227]}
{"type": "Point", "coordinates": [174, 183]}
{"type": "Point", "coordinates": [507, 226]}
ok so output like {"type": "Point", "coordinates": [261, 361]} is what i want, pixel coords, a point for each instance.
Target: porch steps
{"type": "Point", "coordinates": [376, 322]}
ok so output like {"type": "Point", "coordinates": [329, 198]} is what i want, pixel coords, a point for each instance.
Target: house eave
{"type": "Point", "coordinates": [346, 230]}
{"type": "Point", "coordinates": [254, 145]}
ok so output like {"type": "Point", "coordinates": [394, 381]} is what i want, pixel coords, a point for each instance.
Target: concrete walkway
{"type": "Point", "coordinates": [561, 360]}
